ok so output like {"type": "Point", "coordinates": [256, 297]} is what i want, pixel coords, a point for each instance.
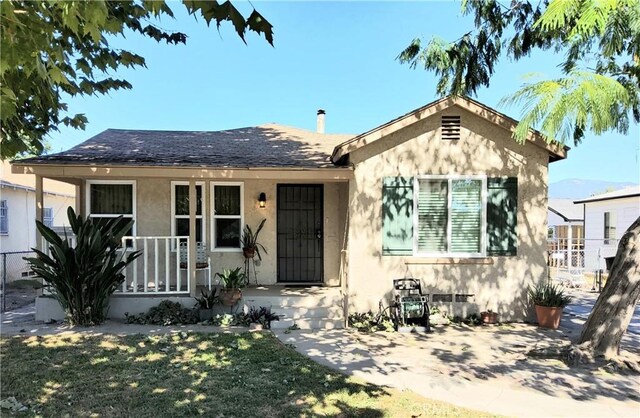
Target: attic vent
{"type": "Point", "coordinates": [451, 127]}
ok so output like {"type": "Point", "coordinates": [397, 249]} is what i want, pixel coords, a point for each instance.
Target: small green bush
{"type": "Point", "coordinates": [166, 313]}
{"type": "Point", "coordinates": [370, 322]}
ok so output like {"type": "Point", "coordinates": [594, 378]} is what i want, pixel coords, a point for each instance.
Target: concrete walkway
{"type": "Point", "coordinates": [482, 368]}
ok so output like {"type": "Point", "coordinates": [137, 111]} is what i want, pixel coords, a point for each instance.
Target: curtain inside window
{"type": "Point", "coordinates": [227, 233]}
{"type": "Point", "coordinates": [182, 200]}
{"type": "Point", "coordinates": [111, 199]}
{"type": "Point", "coordinates": [466, 216]}
{"type": "Point", "coordinates": [227, 200]}
{"type": "Point", "coordinates": [432, 216]}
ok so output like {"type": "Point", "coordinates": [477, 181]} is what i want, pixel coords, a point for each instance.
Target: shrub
{"type": "Point", "coordinates": [166, 313]}
{"type": "Point", "coordinates": [83, 277]}
{"type": "Point", "coordinates": [369, 322]}
{"type": "Point", "coordinates": [549, 295]}
{"type": "Point", "coordinates": [262, 316]}
{"type": "Point", "coordinates": [207, 300]}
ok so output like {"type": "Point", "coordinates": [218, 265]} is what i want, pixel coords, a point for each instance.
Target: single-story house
{"type": "Point", "coordinates": [565, 222]}
{"type": "Point", "coordinates": [606, 218]}
{"type": "Point", "coordinates": [442, 194]}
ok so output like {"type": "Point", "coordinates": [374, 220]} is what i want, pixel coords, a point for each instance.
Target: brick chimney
{"type": "Point", "coordinates": [320, 121]}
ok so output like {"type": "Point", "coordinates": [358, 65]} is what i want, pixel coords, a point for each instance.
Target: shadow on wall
{"type": "Point", "coordinates": [418, 149]}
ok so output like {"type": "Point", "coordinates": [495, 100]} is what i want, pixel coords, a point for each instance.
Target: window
{"type": "Point", "coordinates": [110, 199]}
{"type": "Point", "coordinates": [47, 217]}
{"type": "Point", "coordinates": [180, 210]}
{"type": "Point", "coordinates": [449, 215]}
{"type": "Point", "coordinates": [609, 228]}
{"type": "Point", "coordinates": [227, 202]}
{"type": "Point", "coordinates": [4, 217]}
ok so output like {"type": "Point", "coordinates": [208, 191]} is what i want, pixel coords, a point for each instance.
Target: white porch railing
{"type": "Point", "coordinates": [158, 269]}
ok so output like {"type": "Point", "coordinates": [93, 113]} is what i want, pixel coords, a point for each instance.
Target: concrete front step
{"type": "Point", "coordinates": [314, 323]}
{"type": "Point", "coordinates": [293, 301]}
{"type": "Point", "coordinates": [294, 312]}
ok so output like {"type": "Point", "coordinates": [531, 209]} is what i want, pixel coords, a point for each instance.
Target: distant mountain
{"type": "Point", "coordinates": [579, 188]}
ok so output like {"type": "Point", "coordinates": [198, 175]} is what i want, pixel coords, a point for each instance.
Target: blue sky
{"type": "Point", "coordinates": [339, 56]}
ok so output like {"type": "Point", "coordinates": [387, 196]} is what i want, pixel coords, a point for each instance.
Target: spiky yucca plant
{"type": "Point", "coordinates": [549, 295]}
{"type": "Point", "coordinates": [83, 277]}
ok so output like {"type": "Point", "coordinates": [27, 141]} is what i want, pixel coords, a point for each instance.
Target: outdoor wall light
{"type": "Point", "coordinates": [262, 200]}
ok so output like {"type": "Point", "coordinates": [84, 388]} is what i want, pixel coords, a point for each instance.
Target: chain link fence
{"type": "Point", "coordinates": [579, 262]}
{"type": "Point", "coordinates": [13, 267]}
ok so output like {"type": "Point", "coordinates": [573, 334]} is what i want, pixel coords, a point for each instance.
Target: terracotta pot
{"type": "Point", "coordinates": [230, 297]}
{"type": "Point", "coordinates": [489, 317]}
{"type": "Point", "coordinates": [548, 317]}
{"type": "Point", "coordinates": [249, 252]}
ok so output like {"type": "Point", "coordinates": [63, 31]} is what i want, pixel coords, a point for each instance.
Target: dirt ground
{"type": "Point", "coordinates": [21, 293]}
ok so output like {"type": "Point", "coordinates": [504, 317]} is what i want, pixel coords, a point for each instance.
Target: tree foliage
{"type": "Point", "coordinates": [51, 48]}
{"type": "Point", "coordinates": [600, 40]}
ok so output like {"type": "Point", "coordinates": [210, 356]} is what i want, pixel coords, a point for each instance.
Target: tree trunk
{"type": "Point", "coordinates": [614, 308]}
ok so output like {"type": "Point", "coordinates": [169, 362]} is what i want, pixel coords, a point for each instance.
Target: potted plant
{"type": "Point", "coordinates": [249, 241]}
{"type": "Point", "coordinates": [232, 282]}
{"type": "Point", "coordinates": [489, 317]}
{"type": "Point", "coordinates": [548, 300]}
{"type": "Point", "coordinates": [205, 304]}
{"type": "Point", "coordinates": [261, 318]}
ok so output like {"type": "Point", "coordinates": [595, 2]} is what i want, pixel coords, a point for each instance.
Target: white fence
{"type": "Point", "coordinates": [163, 267]}
{"type": "Point", "coordinates": [572, 259]}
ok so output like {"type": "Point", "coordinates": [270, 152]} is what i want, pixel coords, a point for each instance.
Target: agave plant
{"type": "Point", "coordinates": [83, 277]}
{"type": "Point", "coordinates": [549, 295]}
{"type": "Point", "coordinates": [249, 241]}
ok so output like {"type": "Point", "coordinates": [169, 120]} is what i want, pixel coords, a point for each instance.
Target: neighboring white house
{"type": "Point", "coordinates": [18, 208]}
{"type": "Point", "coordinates": [606, 217]}
{"type": "Point", "coordinates": [565, 222]}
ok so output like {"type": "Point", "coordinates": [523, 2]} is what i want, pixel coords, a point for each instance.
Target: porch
{"type": "Point", "coordinates": [307, 307]}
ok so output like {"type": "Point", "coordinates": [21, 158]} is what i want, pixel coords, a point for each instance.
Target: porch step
{"type": "Point", "coordinates": [313, 323]}
{"type": "Point", "coordinates": [308, 308]}
{"type": "Point", "coordinates": [320, 312]}
{"type": "Point", "coordinates": [327, 300]}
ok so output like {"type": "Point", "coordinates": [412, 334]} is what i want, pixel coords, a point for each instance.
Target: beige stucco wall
{"type": "Point", "coordinates": [484, 149]}
{"type": "Point", "coordinates": [153, 218]}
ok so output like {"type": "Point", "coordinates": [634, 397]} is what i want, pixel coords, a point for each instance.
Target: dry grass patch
{"type": "Point", "coordinates": [231, 375]}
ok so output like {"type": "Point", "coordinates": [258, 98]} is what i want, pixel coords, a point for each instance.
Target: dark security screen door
{"type": "Point", "coordinates": [300, 233]}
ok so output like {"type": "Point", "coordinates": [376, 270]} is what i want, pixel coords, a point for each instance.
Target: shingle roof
{"type": "Point", "coordinates": [565, 208]}
{"type": "Point", "coordinates": [268, 145]}
{"type": "Point", "coordinates": [617, 194]}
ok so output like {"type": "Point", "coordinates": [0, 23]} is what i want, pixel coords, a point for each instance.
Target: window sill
{"type": "Point", "coordinates": [226, 250]}
{"type": "Point", "coordinates": [448, 260]}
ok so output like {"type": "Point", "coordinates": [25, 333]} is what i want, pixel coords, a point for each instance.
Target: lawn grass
{"type": "Point", "coordinates": [230, 375]}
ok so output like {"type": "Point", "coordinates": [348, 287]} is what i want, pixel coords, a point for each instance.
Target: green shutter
{"type": "Point", "coordinates": [466, 216]}
{"type": "Point", "coordinates": [432, 216]}
{"type": "Point", "coordinates": [502, 213]}
{"type": "Point", "coordinates": [397, 216]}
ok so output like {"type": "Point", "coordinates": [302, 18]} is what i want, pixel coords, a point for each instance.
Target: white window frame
{"type": "Point", "coordinates": [214, 216]}
{"type": "Point", "coordinates": [125, 215]}
{"type": "Point", "coordinates": [203, 216]}
{"type": "Point", "coordinates": [483, 216]}
{"type": "Point", "coordinates": [5, 205]}
{"type": "Point", "coordinates": [45, 217]}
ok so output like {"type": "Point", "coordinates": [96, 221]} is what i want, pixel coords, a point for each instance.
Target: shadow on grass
{"type": "Point", "coordinates": [188, 374]}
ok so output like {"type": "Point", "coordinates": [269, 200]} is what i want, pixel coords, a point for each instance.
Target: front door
{"type": "Point", "coordinates": [300, 233]}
